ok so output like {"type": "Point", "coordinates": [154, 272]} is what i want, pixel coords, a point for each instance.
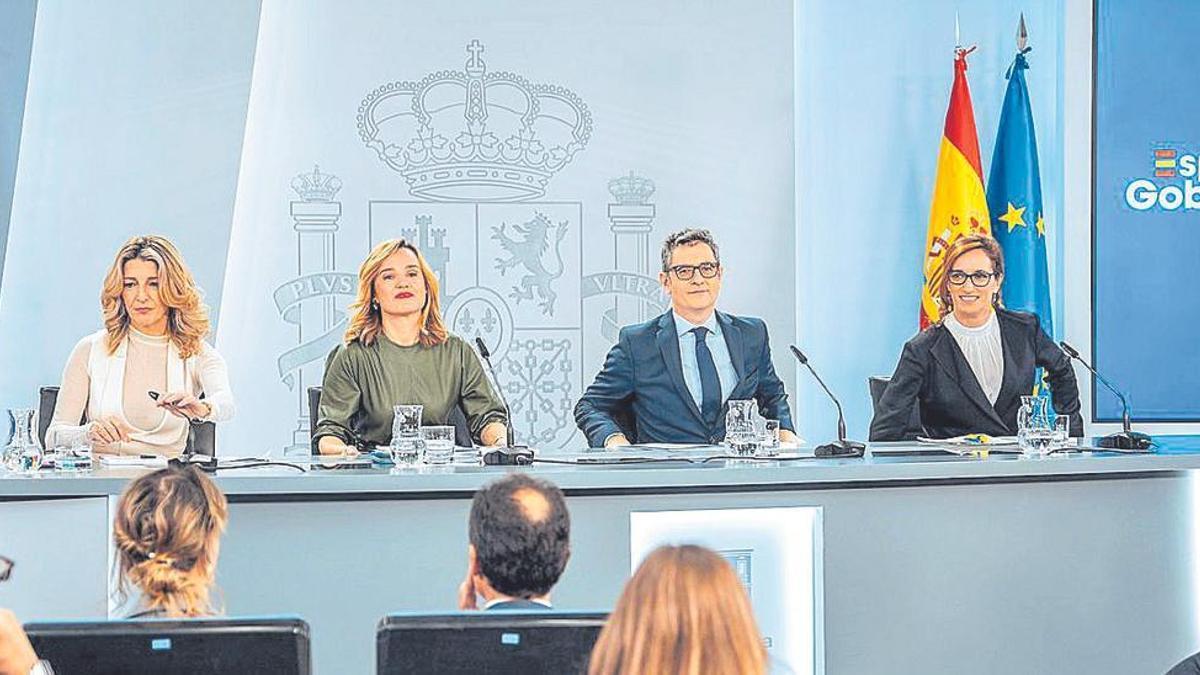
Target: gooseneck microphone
{"type": "Point", "coordinates": [1126, 439]}
{"type": "Point", "coordinates": [514, 454]}
{"type": "Point", "coordinates": [843, 447]}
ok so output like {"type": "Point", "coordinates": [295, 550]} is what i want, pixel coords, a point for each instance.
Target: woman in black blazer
{"type": "Point", "coordinates": [968, 372]}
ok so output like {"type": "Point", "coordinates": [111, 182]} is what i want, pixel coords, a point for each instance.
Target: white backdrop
{"type": "Point", "coordinates": [620, 88]}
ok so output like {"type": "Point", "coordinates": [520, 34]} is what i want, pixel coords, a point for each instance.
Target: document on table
{"type": "Point", "coordinates": [154, 461]}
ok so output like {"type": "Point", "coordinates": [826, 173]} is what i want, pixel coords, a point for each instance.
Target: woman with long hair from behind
{"type": "Point", "coordinates": [683, 612]}
{"type": "Point", "coordinates": [167, 534]}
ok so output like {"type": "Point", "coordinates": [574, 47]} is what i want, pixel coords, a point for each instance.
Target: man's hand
{"type": "Point", "coordinates": [615, 440]}
{"type": "Point", "coordinates": [787, 437]}
{"type": "Point", "coordinates": [466, 591]}
{"type": "Point", "coordinates": [16, 654]}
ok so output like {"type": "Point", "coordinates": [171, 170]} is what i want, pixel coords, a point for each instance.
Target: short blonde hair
{"type": "Point", "coordinates": [683, 612]}
{"type": "Point", "coordinates": [167, 534]}
{"type": "Point", "coordinates": [187, 317]}
{"type": "Point", "coordinates": [366, 320]}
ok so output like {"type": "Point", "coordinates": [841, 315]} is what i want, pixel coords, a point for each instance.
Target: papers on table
{"type": "Point", "coordinates": [973, 440]}
{"type": "Point", "coordinates": [152, 461]}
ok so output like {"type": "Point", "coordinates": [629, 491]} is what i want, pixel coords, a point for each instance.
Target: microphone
{"type": "Point", "coordinates": [1126, 439]}
{"type": "Point", "coordinates": [843, 447]}
{"type": "Point", "coordinates": [513, 454]}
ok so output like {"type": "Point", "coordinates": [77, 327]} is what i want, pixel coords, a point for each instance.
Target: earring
{"type": "Point", "coordinates": [374, 304]}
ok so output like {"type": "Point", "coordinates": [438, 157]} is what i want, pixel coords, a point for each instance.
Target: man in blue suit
{"type": "Point", "coordinates": [667, 380]}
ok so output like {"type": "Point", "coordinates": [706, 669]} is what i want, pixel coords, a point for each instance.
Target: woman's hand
{"type": "Point", "coordinates": [184, 405]}
{"type": "Point", "coordinates": [495, 434]}
{"type": "Point", "coordinates": [108, 430]}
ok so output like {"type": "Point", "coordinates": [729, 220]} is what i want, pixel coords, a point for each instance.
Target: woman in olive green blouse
{"type": "Point", "coordinates": [397, 351]}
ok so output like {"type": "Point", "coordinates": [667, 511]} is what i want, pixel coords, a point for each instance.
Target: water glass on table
{"type": "Point", "coordinates": [741, 433]}
{"type": "Point", "coordinates": [1062, 432]}
{"type": "Point", "coordinates": [439, 444]}
{"type": "Point", "coordinates": [78, 457]}
{"type": "Point", "coordinates": [768, 442]}
{"type": "Point", "coordinates": [1034, 431]}
{"type": "Point", "coordinates": [406, 434]}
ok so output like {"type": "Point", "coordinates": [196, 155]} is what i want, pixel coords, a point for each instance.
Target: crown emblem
{"type": "Point", "coordinates": [316, 186]}
{"type": "Point", "coordinates": [631, 190]}
{"type": "Point", "coordinates": [472, 135]}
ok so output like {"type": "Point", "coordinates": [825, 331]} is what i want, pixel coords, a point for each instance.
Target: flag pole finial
{"type": "Point", "coordinates": [1022, 35]}
{"type": "Point", "coordinates": [957, 35]}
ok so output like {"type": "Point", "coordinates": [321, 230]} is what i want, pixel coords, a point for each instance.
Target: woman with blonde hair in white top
{"type": "Point", "coordinates": [152, 341]}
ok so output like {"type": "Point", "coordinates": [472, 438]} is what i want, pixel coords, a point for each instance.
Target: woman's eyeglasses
{"type": "Point", "coordinates": [707, 270]}
{"type": "Point", "coordinates": [978, 279]}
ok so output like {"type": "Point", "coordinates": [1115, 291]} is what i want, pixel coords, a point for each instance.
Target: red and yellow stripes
{"type": "Point", "coordinates": [959, 205]}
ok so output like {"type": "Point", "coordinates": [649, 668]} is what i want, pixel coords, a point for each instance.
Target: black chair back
{"type": "Point", "coordinates": [498, 642]}
{"type": "Point", "coordinates": [202, 440]}
{"type": "Point", "coordinates": [277, 645]}
{"type": "Point", "coordinates": [314, 410]}
{"type": "Point", "coordinates": [878, 385]}
{"type": "Point", "coordinates": [47, 399]}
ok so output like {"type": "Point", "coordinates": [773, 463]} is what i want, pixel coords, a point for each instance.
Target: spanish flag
{"type": "Point", "coordinates": [959, 203]}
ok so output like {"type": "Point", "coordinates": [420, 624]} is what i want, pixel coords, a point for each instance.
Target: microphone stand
{"type": "Point", "coordinates": [513, 454]}
{"type": "Point", "coordinates": [842, 447]}
{"type": "Point", "coordinates": [1127, 438]}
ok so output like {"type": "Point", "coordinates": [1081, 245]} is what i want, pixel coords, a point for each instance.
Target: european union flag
{"type": "Point", "coordinates": [1014, 198]}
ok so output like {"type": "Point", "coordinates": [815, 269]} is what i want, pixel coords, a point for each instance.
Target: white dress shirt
{"type": "Point", "coordinates": [715, 340]}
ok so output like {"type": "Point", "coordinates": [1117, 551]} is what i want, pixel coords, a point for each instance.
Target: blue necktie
{"type": "Point", "coordinates": [710, 384]}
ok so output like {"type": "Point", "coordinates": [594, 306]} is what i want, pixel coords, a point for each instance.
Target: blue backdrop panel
{"type": "Point", "coordinates": [16, 38]}
{"type": "Point", "coordinates": [1146, 199]}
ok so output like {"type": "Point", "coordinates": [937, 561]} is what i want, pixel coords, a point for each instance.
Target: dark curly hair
{"type": "Point", "coordinates": [520, 556]}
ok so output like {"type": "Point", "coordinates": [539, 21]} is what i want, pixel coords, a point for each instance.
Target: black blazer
{"type": "Point", "coordinates": [934, 373]}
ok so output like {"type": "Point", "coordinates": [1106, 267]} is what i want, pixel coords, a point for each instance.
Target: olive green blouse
{"type": "Point", "coordinates": [363, 382]}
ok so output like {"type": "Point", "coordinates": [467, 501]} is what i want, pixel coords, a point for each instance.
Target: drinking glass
{"type": "Point", "coordinates": [1034, 431]}
{"type": "Point", "coordinates": [1062, 432]}
{"type": "Point", "coordinates": [768, 442]}
{"type": "Point", "coordinates": [439, 444]}
{"type": "Point", "coordinates": [741, 433]}
{"type": "Point", "coordinates": [406, 434]}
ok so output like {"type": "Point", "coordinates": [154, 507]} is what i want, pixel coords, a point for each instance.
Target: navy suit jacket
{"type": "Point", "coordinates": [641, 392]}
{"type": "Point", "coordinates": [934, 375]}
{"type": "Point", "coordinates": [520, 603]}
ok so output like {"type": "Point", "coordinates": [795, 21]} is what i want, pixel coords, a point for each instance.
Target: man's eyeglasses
{"type": "Point", "coordinates": [707, 270]}
{"type": "Point", "coordinates": [6, 568]}
{"type": "Point", "coordinates": [978, 279]}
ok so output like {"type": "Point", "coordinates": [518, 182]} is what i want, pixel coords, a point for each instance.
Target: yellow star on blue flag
{"type": "Point", "coordinates": [1014, 217]}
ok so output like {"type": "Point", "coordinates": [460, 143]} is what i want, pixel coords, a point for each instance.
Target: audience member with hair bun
{"type": "Point", "coordinates": [167, 534]}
